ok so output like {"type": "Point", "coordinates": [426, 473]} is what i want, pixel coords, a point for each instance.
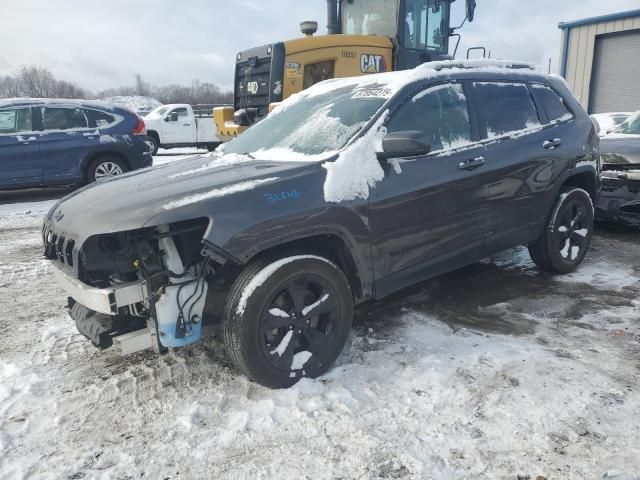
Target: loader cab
{"type": "Point", "coordinates": [421, 28]}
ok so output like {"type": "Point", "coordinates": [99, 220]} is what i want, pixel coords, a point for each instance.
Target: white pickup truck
{"type": "Point", "coordinates": [182, 125]}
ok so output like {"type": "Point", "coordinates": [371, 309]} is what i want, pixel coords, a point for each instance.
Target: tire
{"type": "Point", "coordinates": [271, 333]}
{"type": "Point", "coordinates": [565, 241]}
{"type": "Point", "coordinates": [104, 167]}
{"type": "Point", "coordinates": [154, 144]}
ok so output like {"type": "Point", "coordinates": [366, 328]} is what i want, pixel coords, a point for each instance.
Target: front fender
{"type": "Point", "coordinates": [347, 224]}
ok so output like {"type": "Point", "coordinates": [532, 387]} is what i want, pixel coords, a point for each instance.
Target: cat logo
{"type": "Point", "coordinates": [253, 87]}
{"type": "Point", "coordinates": [372, 63]}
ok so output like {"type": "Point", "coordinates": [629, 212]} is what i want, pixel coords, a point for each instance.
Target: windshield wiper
{"type": "Point", "coordinates": [249, 155]}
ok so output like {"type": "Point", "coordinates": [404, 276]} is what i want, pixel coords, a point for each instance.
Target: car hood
{"type": "Point", "coordinates": [162, 194]}
{"type": "Point", "coordinates": [619, 149]}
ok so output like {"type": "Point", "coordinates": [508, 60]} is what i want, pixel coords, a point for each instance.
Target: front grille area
{"type": "Point", "coordinates": [259, 73]}
{"type": "Point", "coordinates": [59, 249]}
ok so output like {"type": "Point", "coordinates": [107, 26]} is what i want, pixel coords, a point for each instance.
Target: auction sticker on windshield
{"type": "Point", "coordinates": [374, 92]}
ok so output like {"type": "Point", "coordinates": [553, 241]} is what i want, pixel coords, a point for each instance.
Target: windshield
{"type": "Point", "coordinates": [159, 111]}
{"type": "Point", "coordinates": [314, 125]}
{"type": "Point", "coordinates": [631, 126]}
{"type": "Point", "coordinates": [370, 17]}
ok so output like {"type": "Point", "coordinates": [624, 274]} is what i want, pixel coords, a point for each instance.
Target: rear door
{"type": "Point", "coordinates": [180, 128]}
{"type": "Point", "coordinates": [19, 155]}
{"type": "Point", "coordinates": [430, 214]}
{"type": "Point", "coordinates": [65, 141]}
{"type": "Point", "coordinates": [522, 163]}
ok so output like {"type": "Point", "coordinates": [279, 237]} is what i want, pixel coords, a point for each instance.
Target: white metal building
{"type": "Point", "coordinates": [601, 61]}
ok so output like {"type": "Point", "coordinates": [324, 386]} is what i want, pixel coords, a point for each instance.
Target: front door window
{"type": "Point", "coordinates": [440, 113]}
{"type": "Point", "coordinates": [15, 121]}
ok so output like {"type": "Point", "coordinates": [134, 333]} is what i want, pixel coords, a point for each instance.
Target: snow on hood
{"type": "Point", "coordinates": [218, 160]}
{"type": "Point", "coordinates": [218, 192]}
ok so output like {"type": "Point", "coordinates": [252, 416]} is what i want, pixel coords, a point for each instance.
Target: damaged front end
{"type": "Point", "coordinates": [134, 290]}
{"type": "Point", "coordinates": [620, 198]}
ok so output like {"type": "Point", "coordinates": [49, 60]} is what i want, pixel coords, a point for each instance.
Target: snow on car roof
{"type": "Point", "coordinates": [15, 102]}
{"type": "Point", "coordinates": [399, 79]}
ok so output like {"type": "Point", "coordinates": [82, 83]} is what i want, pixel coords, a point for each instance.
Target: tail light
{"type": "Point", "coordinates": [140, 128]}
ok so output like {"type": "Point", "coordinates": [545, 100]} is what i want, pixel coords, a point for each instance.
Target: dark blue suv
{"type": "Point", "coordinates": [62, 142]}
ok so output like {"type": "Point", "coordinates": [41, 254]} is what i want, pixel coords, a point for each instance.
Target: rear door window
{"type": "Point", "coordinates": [552, 103]}
{"type": "Point", "coordinates": [15, 121]}
{"type": "Point", "coordinates": [441, 113]}
{"type": "Point", "coordinates": [63, 118]}
{"type": "Point", "coordinates": [506, 107]}
{"type": "Point", "coordinates": [98, 119]}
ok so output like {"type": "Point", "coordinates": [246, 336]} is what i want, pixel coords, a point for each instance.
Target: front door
{"type": "Point", "coordinates": [19, 155]}
{"type": "Point", "coordinates": [180, 127]}
{"type": "Point", "coordinates": [430, 213]}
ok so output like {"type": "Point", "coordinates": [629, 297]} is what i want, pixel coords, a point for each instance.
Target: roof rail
{"type": "Point", "coordinates": [471, 64]}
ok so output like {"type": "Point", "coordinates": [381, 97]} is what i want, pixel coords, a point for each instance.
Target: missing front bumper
{"type": "Point", "coordinates": [102, 300]}
{"type": "Point", "coordinates": [620, 197]}
{"type": "Point", "coordinates": [105, 330]}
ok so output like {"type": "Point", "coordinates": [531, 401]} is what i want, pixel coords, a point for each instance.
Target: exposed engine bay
{"type": "Point", "coordinates": [149, 288]}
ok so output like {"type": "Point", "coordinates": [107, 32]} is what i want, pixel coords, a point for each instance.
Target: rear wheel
{"type": "Point", "coordinates": [287, 318]}
{"type": "Point", "coordinates": [105, 167]}
{"type": "Point", "coordinates": [154, 144]}
{"type": "Point", "coordinates": [565, 242]}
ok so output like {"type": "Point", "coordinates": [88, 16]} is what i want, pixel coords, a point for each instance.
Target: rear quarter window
{"type": "Point", "coordinates": [98, 119]}
{"type": "Point", "coordinates": [506, 107]}
{"type": "Point", "coordinates": [552, 103]}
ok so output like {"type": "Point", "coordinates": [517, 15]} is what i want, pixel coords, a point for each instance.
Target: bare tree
{"type": "Point", "coordinates": [142, 88]}
{"type": "Point", "coordinates": [38, 82]}
{"type": "Point", "coordinates": [9, 87]}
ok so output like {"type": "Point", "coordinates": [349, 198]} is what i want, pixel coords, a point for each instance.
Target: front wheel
{"type": "Point", "coordinates": [563, 245]}
{"type": "Point", "coordinates": [287, 318]}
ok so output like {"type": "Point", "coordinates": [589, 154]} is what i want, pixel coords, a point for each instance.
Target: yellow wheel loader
{"type": "Point", "coordinates": [364, 37]}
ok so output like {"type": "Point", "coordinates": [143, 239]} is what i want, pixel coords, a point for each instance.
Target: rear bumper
{"type": "Point", "coordinates": [102, 300]}
{"type": "Point", "coordinates": [140, 154]}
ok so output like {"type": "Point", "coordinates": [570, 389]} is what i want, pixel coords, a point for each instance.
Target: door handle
{"type": "Point", "coordinates": [26, 141]}
{"type": "Point", "coordinates": [186, 124]}
{"type": "Point", "coordinates": [552, 144]}
{"type": "Point", "coordinates": [471, 164]}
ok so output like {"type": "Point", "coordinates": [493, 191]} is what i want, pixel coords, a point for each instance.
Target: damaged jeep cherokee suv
{"type": "Point", "coordinates": [349, 191]}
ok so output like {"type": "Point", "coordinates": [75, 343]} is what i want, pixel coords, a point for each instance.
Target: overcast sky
{"type": "Point", "coordinates": [104, 44]}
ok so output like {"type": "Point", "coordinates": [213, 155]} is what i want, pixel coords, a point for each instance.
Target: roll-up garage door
{"type": "Point", "coordinates": [615, 85]}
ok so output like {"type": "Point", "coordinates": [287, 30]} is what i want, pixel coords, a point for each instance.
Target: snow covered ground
{"type": "Point", "coordinates": [494, 371]}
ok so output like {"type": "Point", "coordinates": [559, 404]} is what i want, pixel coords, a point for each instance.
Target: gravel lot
{"type": "Point", "coordinates": [493, 371]}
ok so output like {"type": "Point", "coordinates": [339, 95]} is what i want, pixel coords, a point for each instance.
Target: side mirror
{"type": "Point", "coordinates": [471, 10]}
{"type": "Point", "coordinates": [404, 144]}
{"type": "Point", "coordinates": [172, 117]}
